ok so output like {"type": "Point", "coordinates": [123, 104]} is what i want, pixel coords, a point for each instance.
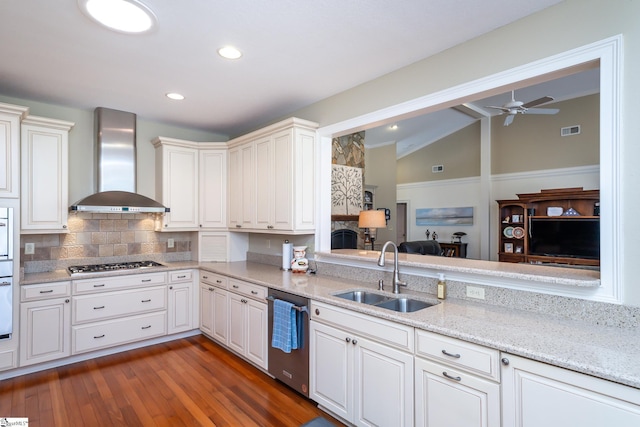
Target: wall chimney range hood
{"type": "Point", "coordinates": [115, 149]}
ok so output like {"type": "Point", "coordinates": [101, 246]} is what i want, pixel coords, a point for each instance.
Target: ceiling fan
{"type": "Point", "coordinates": [514, 107]}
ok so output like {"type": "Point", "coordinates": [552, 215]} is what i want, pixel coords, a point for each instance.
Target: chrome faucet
{"type": "Point", "coordinates": [396, 280]}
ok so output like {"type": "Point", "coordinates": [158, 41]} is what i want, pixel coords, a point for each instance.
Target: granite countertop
{"type": "Point", "coordinates": [605, 352]}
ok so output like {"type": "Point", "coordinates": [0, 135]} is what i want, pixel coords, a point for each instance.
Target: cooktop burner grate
{"type": "Point", "coordinates": [100, 268]}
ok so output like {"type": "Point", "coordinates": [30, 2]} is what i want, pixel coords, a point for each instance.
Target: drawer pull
{"type": "Point", "coordinates": [145, 280]}
{"type": "Point", "coordinates": [254, 292]}
{"type": "Point", "coordinates": [451, 377]}
{"type": "Point", "coordinates": [211, 289]}
{"type": "Point", "coordinates": [218, 281]}
{"type": "Point", "coordinates": [205, 277]}
{"type": "Point", "coordinates": [235, 286]}
{"type": "Point", "coordinates": [99, 336]}
{"type": "Point", "coordinates": [146, 327]}
{"type": "Point", "coordinates": [446, 353]}
{"type": "Point", "coordinates": [46, 292]}
{"type": "Point", "coordinates": [98, 308]}
{"type": "Point", "coordinates": [181, 277]}
{"type": "Point", "coordinates": [146, 300]}
{"type": "Point", "coordinates": [99, 286]}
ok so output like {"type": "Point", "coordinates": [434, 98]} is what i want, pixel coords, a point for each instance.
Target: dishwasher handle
{"type": "Point", "coordinates": [295, 307]}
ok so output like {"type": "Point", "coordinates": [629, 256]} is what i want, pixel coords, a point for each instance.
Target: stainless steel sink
{"type": "Point", "coordinates": [404, 305]}
{"type": "Point", "coordinates": [363, 297]}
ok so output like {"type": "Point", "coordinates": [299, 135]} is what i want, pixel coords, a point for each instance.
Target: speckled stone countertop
{"type": "Point", "coordinates": [606, 352]}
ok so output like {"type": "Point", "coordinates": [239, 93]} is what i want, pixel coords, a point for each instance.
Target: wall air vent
{"type": "Point", "coordinates": [570, 130]}
{"type": "Point", "coordinates": [437, 168]}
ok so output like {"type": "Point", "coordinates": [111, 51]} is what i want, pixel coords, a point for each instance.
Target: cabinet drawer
{"type": "Point", "coordinates": [45, 291]}
{"type": "Point", "coordinates": [90, 308]}
{"type": "Point", "coordinates": [473, 358]}
{"type": "Point", "coordinates": [86, 286]}
{"type": "Point", "coordinates": [248, 289]}
{"type": "Point", "coordinates": [214, 279]}
{"type": "Point", "coordinates": [180, 276]}
{"type": "Point", "coordinates": [390, 333]}
{"type": "Point", "coordinates": [120, 331]}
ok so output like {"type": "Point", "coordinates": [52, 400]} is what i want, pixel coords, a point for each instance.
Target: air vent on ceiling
{"type": "Point", "coordinates": [570, 130]}
{"type": "Point", "coordinates": [437, 168]}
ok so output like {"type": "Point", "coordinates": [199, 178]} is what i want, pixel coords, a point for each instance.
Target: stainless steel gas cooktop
{"type": "Point", "coordinates": [104, 268]}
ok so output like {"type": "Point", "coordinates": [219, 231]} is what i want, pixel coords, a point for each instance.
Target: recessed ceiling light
{"type": "Point", "coordinates": [393, 127]}
{"type": "Point", "coordinates": [126, 16]}
{"type": "Point", "coordinates": [229, 52]}
{"type": "Point", "coordinates": [175, 96]}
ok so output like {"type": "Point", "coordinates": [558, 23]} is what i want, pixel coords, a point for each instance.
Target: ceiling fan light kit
{"type": "Point", "coordinates": [514, 107]}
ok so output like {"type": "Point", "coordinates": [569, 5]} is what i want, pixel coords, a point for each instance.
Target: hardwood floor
{"type": "Point", "coordinates": [187, 382]}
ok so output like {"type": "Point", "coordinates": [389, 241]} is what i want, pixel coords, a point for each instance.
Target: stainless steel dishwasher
{"type": "Point", "coordinates": [291, 368]}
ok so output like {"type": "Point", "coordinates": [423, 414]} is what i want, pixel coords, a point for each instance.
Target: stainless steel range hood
{"type": "Point", "coordinates": [116, 166]}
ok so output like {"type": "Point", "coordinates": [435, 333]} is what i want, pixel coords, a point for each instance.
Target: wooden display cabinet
{"type": "Point", "coordinates": [561, 206]}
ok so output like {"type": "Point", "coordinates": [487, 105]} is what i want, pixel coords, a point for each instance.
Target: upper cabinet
{"type": "Point", "coordinates": [45, 176]}
{"type": "Point", "coordinates": [191, 182]}
{"type": "Point", "coordinates": [10, 116]}
{"type": "Point", "coordinates": [272, 179]}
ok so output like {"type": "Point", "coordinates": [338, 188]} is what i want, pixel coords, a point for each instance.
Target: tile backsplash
{"type": "Point", "coordinates": [97, 238]}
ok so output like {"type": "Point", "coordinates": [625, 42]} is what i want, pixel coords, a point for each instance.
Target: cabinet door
{"type": "Point", "coordinates": [45, 154]}
{"type": "Point", "coordinates": [213, 189]}
{"type": "Point", "coordinates": [45, 329]}
{"type": "Point", "coordinates": [446, 397]}
{"type": "Point", "coordinates": [331, 369]}
{"type": "Point", "coordinates": [282, 190]}
{"type": "Point", "coordinates": [257, 333]}
{"type": "Point", "coordinates": [180, 187]}
{"type": "Point", "coordinates": [535, 394]}
{"type": "Point", "coordinates": [207, 309]}
{"type": "Point", "coordinates": [236, 339]}
{"type": "Point", "coordinates": [383, 382]}
{"type": "Point", "coordinates": [180, 308]}
{"type": "Point", "coordinates": [241, 198]}
{"type": "Point", "coordinates": [10, 150]}
{"type": "Point", "coordinates": [264, 183]}
{"type": "Point", "coordinates": [220, 315]}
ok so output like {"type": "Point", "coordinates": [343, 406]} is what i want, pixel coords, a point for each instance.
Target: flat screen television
{"type": "Point", "coordinates": [565, 237]}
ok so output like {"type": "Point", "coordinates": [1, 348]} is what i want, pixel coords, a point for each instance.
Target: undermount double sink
{"type": "Point", "coordinates": [399, 304]}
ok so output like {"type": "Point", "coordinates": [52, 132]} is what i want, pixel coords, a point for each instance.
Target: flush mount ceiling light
{"type": "Point", "coordinates": [175, 96]}
{"type": "Point", "coordinates": [125, 16]}
{"type": "Point", "coordinates": [229, 52]}
{"type": "Point", "coordinates": [393, 127]}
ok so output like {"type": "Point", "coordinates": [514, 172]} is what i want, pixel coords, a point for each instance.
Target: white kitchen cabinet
{"type": "Point", "coordinates": [10, 116]}
{"type": "Point", "coordinates": [182, 303]}
{"type": "Point", "coordinates": [241, 196]}
{"type": "Point", "coordinates": [212, 185]}
{"type": "Point", "coordinates": [535, 394]}
{"type": "Point", "coordinates": [272, 178]}
{"type": "Point", "coordinates": [214, 306]}
{"type": "Point", "coordinates": [45, 175]}
{"type": "Point", "coordinates": [177, 175]}
{"type": "Point", "coordinates": [248, 321]}
{"type": "Point", "coordinates": [357, 377]}
{"type": "Point", "coordinates": [45, 322]}
{"type": "Point", "coordinates": [456, 383]}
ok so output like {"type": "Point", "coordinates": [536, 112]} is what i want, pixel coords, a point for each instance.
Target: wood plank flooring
{"type": "Point", "coordinates": [187, 382]}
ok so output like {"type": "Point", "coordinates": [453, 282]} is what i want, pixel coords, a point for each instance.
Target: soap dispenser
{"type": "Point", "coordinates": [442, 287]}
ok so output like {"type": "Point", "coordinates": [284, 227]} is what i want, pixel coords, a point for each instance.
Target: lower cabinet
{"type": "Point", "coordinates": [45, 322]}
{"type": "Point", "coordinates": [182, 309]}
{"type": "Point", "coordinates": [364, 381]}
{"type": "Point", "coordinates": [456, 383]}
{"type": "Point", "coordinates": [234, 313]}
{"type": "Point", "coordinates": [535, 394]}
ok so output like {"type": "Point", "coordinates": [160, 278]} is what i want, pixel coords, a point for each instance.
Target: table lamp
{"type": "Point", "coordinates": [372, 219]}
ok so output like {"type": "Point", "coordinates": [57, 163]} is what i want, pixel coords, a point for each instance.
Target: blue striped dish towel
{"type": "Point", "coordinates": [285, 328]}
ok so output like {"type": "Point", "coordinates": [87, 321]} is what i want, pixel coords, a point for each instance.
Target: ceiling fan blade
{"type": "Point", "coordinates": [538, 101]}
{"type": "Point", "coordinates": [509, 119]}
{"type": "Point", "coordinates": [542, 111]}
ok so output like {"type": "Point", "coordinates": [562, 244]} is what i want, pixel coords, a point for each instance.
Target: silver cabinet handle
{"type": "Point", "coordinates": [98, 308]}
{"type": "Point", "coordinates": [354, 342]}
{"type": "Point", "coordinates": [46, 292]}
{"type": "Point", "coordinates": [505, 361]}
{"type": "Point", "coordinates": [99, 336]}
{"type": "Point", "coordinates": [67, 300]}
{"type": "Point", "coordinates": [218, 281]}
{"type": "Point", "coordinates": [235, 286]}
{"type": "Point", "coordinates": [99, 286]}
{"type": "Point", "coordinates": [146, 300]}
{"type": "Point", "coordinates": [446, 353]}
{"type": "Point", "coordinates": [347, 339]}
{"type": "Point", "coordinates": [145, 280]}
{"type": "Point", "coordinates": [205, 277]}
{"type": "Point", "coordinates": [254, 292]}
{"type": "Point", "coordinates": [451, 377]}
{"type": "Point", "coordinates": [146, 327]}
{"type": "Point", "coordinates": [170, 287]}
